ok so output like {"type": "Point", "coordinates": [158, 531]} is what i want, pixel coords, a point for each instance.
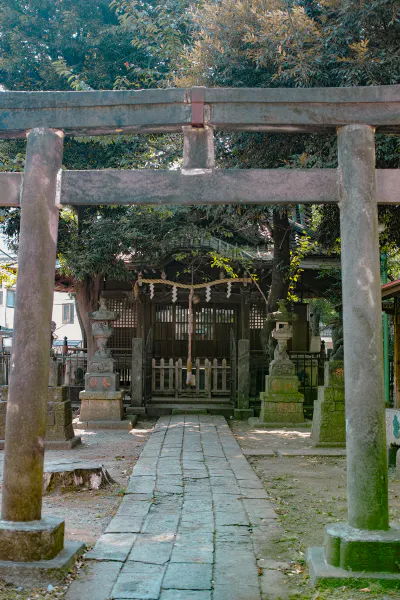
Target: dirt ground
{"type": "Point", "coordinates": [308, 492]}
{"type": "Point", "coordinates": [87, 513]}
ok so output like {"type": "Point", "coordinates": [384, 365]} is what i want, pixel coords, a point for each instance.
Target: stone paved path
{"type": "Point", "coordinates": [191, 525]}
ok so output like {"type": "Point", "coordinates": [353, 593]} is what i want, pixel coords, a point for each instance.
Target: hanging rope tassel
{"type": "Point", "coordinates": [190, 333]}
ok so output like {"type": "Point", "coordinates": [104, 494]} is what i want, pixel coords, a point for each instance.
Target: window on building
{"type": "Point", "coordinates": [10, 298]}
{"type": "Point", "coordinates": [1, 298]}
{"type": "Point", "coordinates": [67, 314]}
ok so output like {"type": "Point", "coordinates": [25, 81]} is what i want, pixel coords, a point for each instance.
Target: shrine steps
{"type": "Point", "coordinates": [157, 407]}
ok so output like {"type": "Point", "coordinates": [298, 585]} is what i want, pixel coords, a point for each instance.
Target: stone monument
{"type": "Point", "coordinates": [329, 423]}
{"type": "Point", "coordinates": [101, 400]}
{"type": "Point", "coordinates": [281, 403]}
{"type": "Point", "coordinates": [60, 433]}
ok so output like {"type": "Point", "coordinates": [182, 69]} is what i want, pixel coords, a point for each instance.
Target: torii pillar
{"type": "Point", "coordinates": [29, 542]}
{"type": "Point", "coordinates": [365, 547]}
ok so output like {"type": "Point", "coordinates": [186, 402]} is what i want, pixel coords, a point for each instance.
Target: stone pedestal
{"type": "Point", "coordinates": [329, 423]}
{"type": "Point", "coordinates": [59, 429]}
{"type": "Point", "coordinates": [243, 410]}
{"type": "Point", "coordinates": [101, 400]}
{"type": "Point", "coordinates": [281, 403]}
{"type": "Point", "coordinates": [101, 406]}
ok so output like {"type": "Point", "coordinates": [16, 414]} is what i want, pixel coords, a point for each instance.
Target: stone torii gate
{"type": "Point", "coordinates": [366, 543]}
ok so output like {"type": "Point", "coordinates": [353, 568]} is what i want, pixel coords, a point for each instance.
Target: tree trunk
{"type": "Point", "coordinates": [280, 273]}
{"type": "Point", "coordinates": [87, 297]}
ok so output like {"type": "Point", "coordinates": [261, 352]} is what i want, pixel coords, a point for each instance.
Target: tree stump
{"type": "Point", "coordinates": [67, 476]}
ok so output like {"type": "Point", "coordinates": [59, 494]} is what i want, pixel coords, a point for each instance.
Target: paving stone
{"type": "Point", "coordinates": [112, 546]}
{"type": "Point", "coordinates": [141, 485]}
{"type": "Point", "coordinates": [206, 519]}
{"type": "Point", "coordinates": [193, 547]}
{"type": "Point", "coordinates": [251, 493]}
{"type": "Point", "coordinates": [139, 580]}
{"type": "Point", "coordinates": [235, 591]}
{"type": "Point", "coordinates": [95, 581]}
{"type": "Point", "coordinates": [188, 576]}
{"type": "Point", "coordinates": [176, 529]}
{"type": "Point", "coordinates": [158, 522]}
{"type": "Point", "coordinates": [185, 595]}
{"type": "Point", "coordinates": [153, 549]}
{"type": "Point", "coordinates": [130, 516]}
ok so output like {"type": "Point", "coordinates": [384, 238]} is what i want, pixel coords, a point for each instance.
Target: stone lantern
{"type": "Point", "coordinates": [101, 400]}
{"type": "Point", "coordinates": [282, 403]}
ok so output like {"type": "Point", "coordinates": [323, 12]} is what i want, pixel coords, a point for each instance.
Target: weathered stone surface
{"type": "Point", "coordinates": [101, 406]}
{"type": "Point", "coordinates": [363, 358]}
{"type": "Point", "coordinates": [188, 576]}
{"type": "Point", "coordinates": [43, 572]}
{"type": "Point", "coordinates": [137, 373]}
{"type": "Point", "coordinates": [24, 454]}
{"type": "Point", "coordinates": [361, 550]}
{"type": "Point", "coordinates": [323, 574]}
{"type": "Point", "coordinates": [59, 426]}
{"type": "Point", "coordinates": [329, 425]}
{"type": "Point", "coordinates": [112, 546]}
{"type": "Point", "coordinates": [31, 541]}
{"type": "Point", "coordinates": [139, 580]}
{"type": "Point", "coordinates": [243, 366]}
{"type": "Point", "coordinates": [95, 581]}
{"type": "Point", "coordinates": [198, 527]}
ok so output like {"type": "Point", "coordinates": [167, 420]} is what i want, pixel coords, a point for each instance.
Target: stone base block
{"type": "Point", "coordinates": [323, 574]}
{"type": "Point", "coordinates": [136, 410]}
{"type": "Point", "coordinates": [59, 417]}
{"type": "Point", "coordinates": [102, 382]}
{"type": "Point", "coordinates": [255, 422]}
{"type": "Point", "coordinates": [329, 444]}
{"type": "Point", "coordinates": [242, 414]}
{"type": "Point", "coordinates": [127, 424]}
{"type": "Point", "coordinates": [329, 424]}
{"type": "Point", "coordinates": [41, 573]}
{"type": "Point", "coordinates": [56, 444]}
{"type": "Point", "coordinates": [101, 406]}
{"type": "Point", "coordinates": [32, 540]}
{"type": "Point", "coordinates": [359, 550]}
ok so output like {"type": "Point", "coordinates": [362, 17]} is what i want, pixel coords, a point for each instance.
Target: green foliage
{"type": "Point", "coordinates": [305, 246]}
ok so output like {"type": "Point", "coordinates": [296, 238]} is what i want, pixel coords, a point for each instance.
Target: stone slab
{"type": "Point", "coordinates": [152, 549]}
{"type": "Point", "coordinates": [322, 574]}
{"type": "Point", "coordinates": [139, 580]}
{"type": "Point", "coordinates": [311, 452]}
{"type": "Point", "coordinates": [43, 572]}
{"type": "Point", "coordinates": [95, 581]}
{"type": "Point", "coordinates": [127, 424]}
{"type": "Point", "coordinates": [242, 414]}
{"type": "Point", "coordinates": [185, 595]}
{"type": "Point", "coordinates": [255, 422]}
{"type": "Point", "coordinates": [258, 452]}
{"type": "Point", "coordinates": [112, 546]}
{"type": "Point", "coordinates": [56, 444]}
{"type": "Point", "coordinates": [188, 576]}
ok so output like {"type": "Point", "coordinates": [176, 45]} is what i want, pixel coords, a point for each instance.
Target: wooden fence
{"type": "Point", "coordinates": [211, 378]}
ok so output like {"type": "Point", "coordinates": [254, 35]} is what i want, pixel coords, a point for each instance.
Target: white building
{"type": "Point", "coordinates": [64, 311]}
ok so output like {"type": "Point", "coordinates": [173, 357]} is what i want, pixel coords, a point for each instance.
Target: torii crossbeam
{"type": "Point", "coordinates": [355, 113]}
